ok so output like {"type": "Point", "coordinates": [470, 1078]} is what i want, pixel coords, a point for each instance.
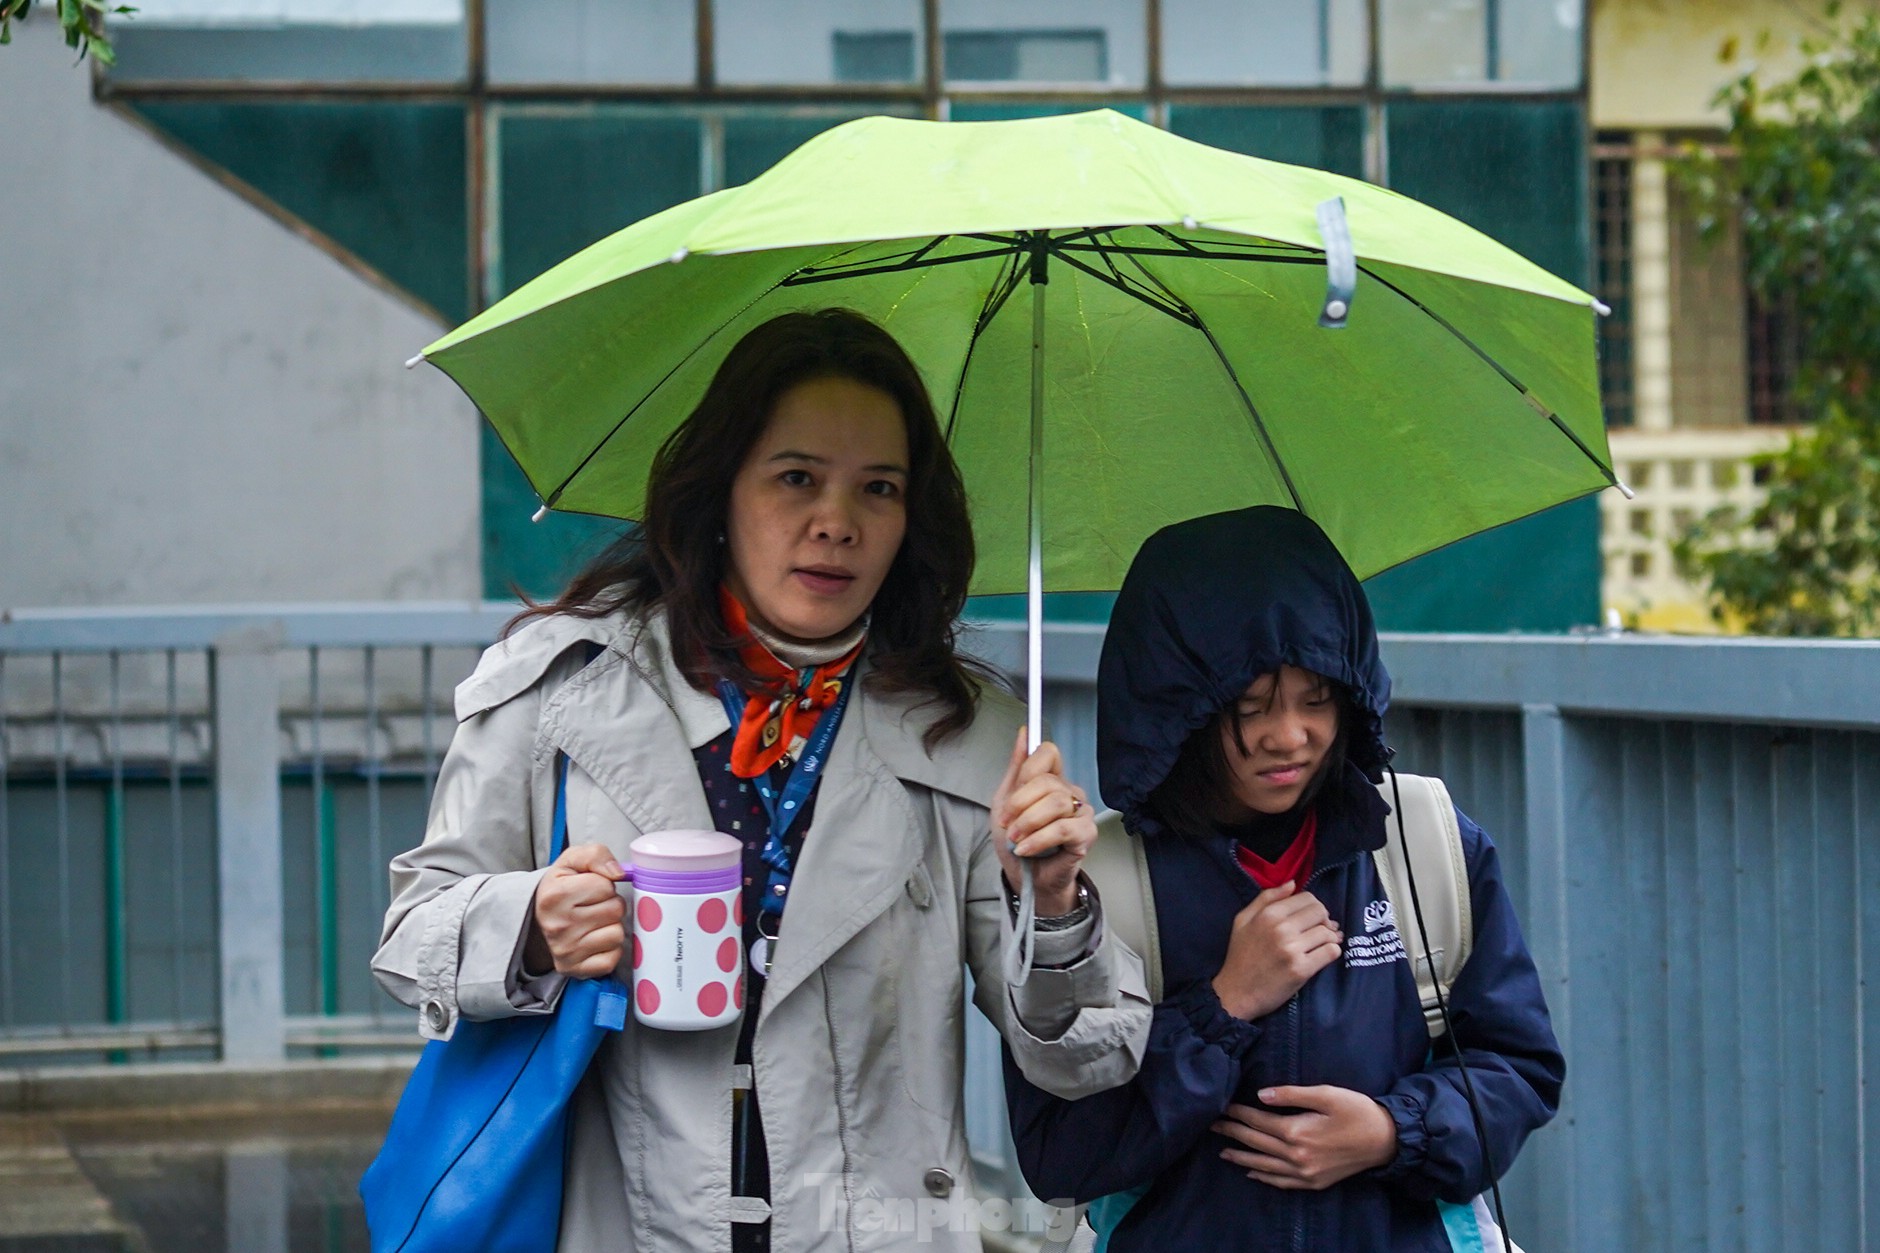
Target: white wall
{"type": "Point", "coordinates": [196, 404]}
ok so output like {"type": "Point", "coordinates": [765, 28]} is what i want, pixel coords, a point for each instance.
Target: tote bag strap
{"type": "Point", "coordinates": [558, 834]}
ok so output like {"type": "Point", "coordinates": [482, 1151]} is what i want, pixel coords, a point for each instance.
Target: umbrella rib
{"type": "Point", "coordinates": [1188, 245]}
{"type": "Point", "coordinates": [1533, 402]}
{"type": "Point", "coordinates": [1233, 376]}
{"type": "Point", "coordinates": [914, 261]}
{"type": "Point", "coordinates": [1004, 283]}
{"type": "Point", "coordinates": [1198, 254]}
{"type": "Point", "coordinates": [1188, 250]}
{"type": "Point", "coordinates": [552, 497]}
{"type": "Point", "coordinates": [1116, 280]}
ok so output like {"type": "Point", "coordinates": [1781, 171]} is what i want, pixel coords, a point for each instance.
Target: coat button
{"type": "Point", "coordinates": [938, 1182]}
{"type": "Point", "coordinates": [434, 1016]}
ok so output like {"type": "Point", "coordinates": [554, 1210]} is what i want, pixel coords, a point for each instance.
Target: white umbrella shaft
{"type": "Point", "coordinates": [1018, 954]}
{"type": "Point", "coordinates": [1034, 578]}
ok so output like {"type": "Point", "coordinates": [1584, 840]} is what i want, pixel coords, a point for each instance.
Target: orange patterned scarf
{"type": "Point", "coordinates": [782, 713]}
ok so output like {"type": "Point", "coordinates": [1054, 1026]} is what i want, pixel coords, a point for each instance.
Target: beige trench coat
{"type": "Point", "coordinates": [858, 1048]}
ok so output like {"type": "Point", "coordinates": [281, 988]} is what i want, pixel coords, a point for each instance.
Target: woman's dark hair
{"type": "Point", "coordinates": [675, 560]}
{"type": "Point", "coordinates": [1192, 800]}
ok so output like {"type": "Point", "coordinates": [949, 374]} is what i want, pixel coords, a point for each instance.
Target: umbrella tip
{"type": "Point", "coordinates": [678, 256]}
{"type": "Point", "coordinates": [415, 362]}
{"type": "Point", "coordinates": [539, 514]}
{"type": "Point", "coordinates": [1624, 491]}
{"type": "Point", "coordinates": [1188, 222]}
{"type": "Point", "coordinates": [1603, 309]}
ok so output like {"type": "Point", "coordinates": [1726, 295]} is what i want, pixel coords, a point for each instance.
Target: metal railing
{"type": "Point", "coordinates": [198, 809]}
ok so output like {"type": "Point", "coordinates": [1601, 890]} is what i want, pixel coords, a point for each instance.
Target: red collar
{"type": "Point", "coordinates": [1294, 865]}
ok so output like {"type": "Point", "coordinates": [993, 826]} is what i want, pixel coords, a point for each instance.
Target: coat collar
{"type": "Point", "coordinates": [631, 721]}
{"type": "Point", "coordinates": [894, 724]}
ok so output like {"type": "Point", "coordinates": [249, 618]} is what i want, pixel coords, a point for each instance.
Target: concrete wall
{"type": "Point", "coordinates": [198, 404]}
{"type": "Point", "coordinates": [1657, 63]}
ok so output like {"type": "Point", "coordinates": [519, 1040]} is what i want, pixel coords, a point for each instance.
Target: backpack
{"type": "Point", "coordinates": [1119, 866]}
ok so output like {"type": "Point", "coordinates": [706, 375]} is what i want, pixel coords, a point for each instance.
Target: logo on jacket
{"type": "Point", "coordinates": [1381, 944]}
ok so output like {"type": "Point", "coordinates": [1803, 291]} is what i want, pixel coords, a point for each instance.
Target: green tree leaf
{"type": "Point", "coordinates": [1803, 184]}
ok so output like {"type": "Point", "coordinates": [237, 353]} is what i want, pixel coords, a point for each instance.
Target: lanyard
{"type": "Point", "coordinates": [783, 810]}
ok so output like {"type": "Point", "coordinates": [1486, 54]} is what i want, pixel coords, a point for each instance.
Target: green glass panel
{"type": "Point", "coordinates": [1324, 138]}
{"type": "Point", "coordinates": [567, 179]}
{"type": "Point", "coordinates": [522, 557]}
{"type": "Point", "coordinates": [383, 180]}
{"type": "Point", "coordinates": [1516, 170]}
{"type": "Point", "coordinates": [1003, 111]}
{"type": "Point", "coordinates": [753, 142]}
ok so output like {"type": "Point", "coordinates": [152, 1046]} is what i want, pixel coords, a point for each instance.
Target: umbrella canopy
{"type": "Point", "coordinates": [1185, 368]}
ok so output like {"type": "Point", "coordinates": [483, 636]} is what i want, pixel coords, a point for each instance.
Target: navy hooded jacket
{"type": "Point", "coordinates": [1208, 606]}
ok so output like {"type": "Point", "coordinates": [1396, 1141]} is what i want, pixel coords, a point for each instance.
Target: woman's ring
{"type": "Point", "coordinates": [1077, 805]}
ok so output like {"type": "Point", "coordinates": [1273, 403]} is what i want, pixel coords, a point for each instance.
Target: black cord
{"type": "Point", "coordinates": [1442, 1006]}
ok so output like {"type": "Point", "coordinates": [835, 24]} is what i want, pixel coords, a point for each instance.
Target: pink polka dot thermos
{"type": "Point", "coordinates": [688, 928]}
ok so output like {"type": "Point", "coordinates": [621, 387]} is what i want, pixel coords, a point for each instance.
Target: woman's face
{"type": "Point", "coordinates": [1288, 722]}
{"type": "Point", "coordinates": [818, 508]}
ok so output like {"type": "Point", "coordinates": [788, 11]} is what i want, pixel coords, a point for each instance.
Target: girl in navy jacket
{"type": "Point", "coordinates": [1290, 1098]}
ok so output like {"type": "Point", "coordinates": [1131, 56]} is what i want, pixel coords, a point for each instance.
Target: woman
{"type": "Point", "coordinates": [805, 533]}
{"type": "Point", "coordinates": [1290, 1097]}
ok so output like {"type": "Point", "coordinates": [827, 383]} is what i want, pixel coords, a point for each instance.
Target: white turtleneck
{"type": "Point", "coordinates": [808, 655]}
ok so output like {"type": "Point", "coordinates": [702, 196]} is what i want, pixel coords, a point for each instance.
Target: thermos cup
{"type": "Point", "coordinates": [688, 929]}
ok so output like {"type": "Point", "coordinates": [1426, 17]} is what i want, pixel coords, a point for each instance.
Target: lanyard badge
{"type": "Point", "coordinates": [783, 808]}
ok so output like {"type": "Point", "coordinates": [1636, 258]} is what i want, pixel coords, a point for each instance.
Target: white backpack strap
{"type": "Point", "coordinates": [1442, 875]}
{"type": "Point", "coordinates": [1119, 867]}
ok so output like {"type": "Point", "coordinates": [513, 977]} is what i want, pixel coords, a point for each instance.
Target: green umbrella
{"type": "Point", "coordinates": [1121, 328]}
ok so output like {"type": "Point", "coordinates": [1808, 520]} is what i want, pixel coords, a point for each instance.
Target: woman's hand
{"type": "Point", "coordinates": [1281, 940]}
{"type": "Point", "coordinates": [1338, 1134]}
{"type": "Point", "coordinates": [1048, 817]}
{"type": "Point", "coordinates": [580, 921]}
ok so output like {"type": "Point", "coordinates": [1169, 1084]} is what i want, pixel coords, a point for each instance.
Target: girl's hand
{"type": "Point", "coordinates": [580, 921]}
{"type": "Point", "coordinates": [1338, 1134]}
{"type": "Point", "coordinates": [1049, 818]}
{"type": "Point", "coordinates": [1281, 940]}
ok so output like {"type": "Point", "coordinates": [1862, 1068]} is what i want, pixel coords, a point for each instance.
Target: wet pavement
{"type": "Point", "coordinates": [148, 1182]}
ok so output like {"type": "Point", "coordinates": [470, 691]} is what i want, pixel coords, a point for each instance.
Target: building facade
{"type": "Point", "coordinates": [1695, 369]}
{"type": "Point", "coordinates": [455, 148]}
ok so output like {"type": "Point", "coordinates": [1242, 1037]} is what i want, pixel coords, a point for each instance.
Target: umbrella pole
{"type": "Point", "coordinates": [1034, 581]}
{"type": "Point", "coordinates": [1019, 948]}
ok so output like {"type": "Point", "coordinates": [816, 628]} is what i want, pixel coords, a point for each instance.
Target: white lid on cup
{"type": "Point", "coordinates": [687, 850]}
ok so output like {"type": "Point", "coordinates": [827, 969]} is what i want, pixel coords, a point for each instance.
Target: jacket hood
{"type": "Point", "coordinates": [1208, 606]}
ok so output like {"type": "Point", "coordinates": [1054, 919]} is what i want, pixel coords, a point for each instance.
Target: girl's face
{"type": "Point", "coordinates": [1287, 723]}
{"type": "Point", "coordinates": [818, 509]}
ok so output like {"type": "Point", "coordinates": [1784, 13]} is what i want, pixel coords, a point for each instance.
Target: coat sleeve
{"type": "Point", "coordinates": [452, 940]}
{"type": "Point", "coordinates": [1077, 1150]}
{"type": "Point", "coordinates": [1073, 1030]}
{"type": "Point", "coordinates": [1514, 1062]}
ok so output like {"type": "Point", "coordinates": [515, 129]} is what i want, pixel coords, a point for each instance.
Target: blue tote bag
{"type": "Point", "coordinates": [475, 1156]}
